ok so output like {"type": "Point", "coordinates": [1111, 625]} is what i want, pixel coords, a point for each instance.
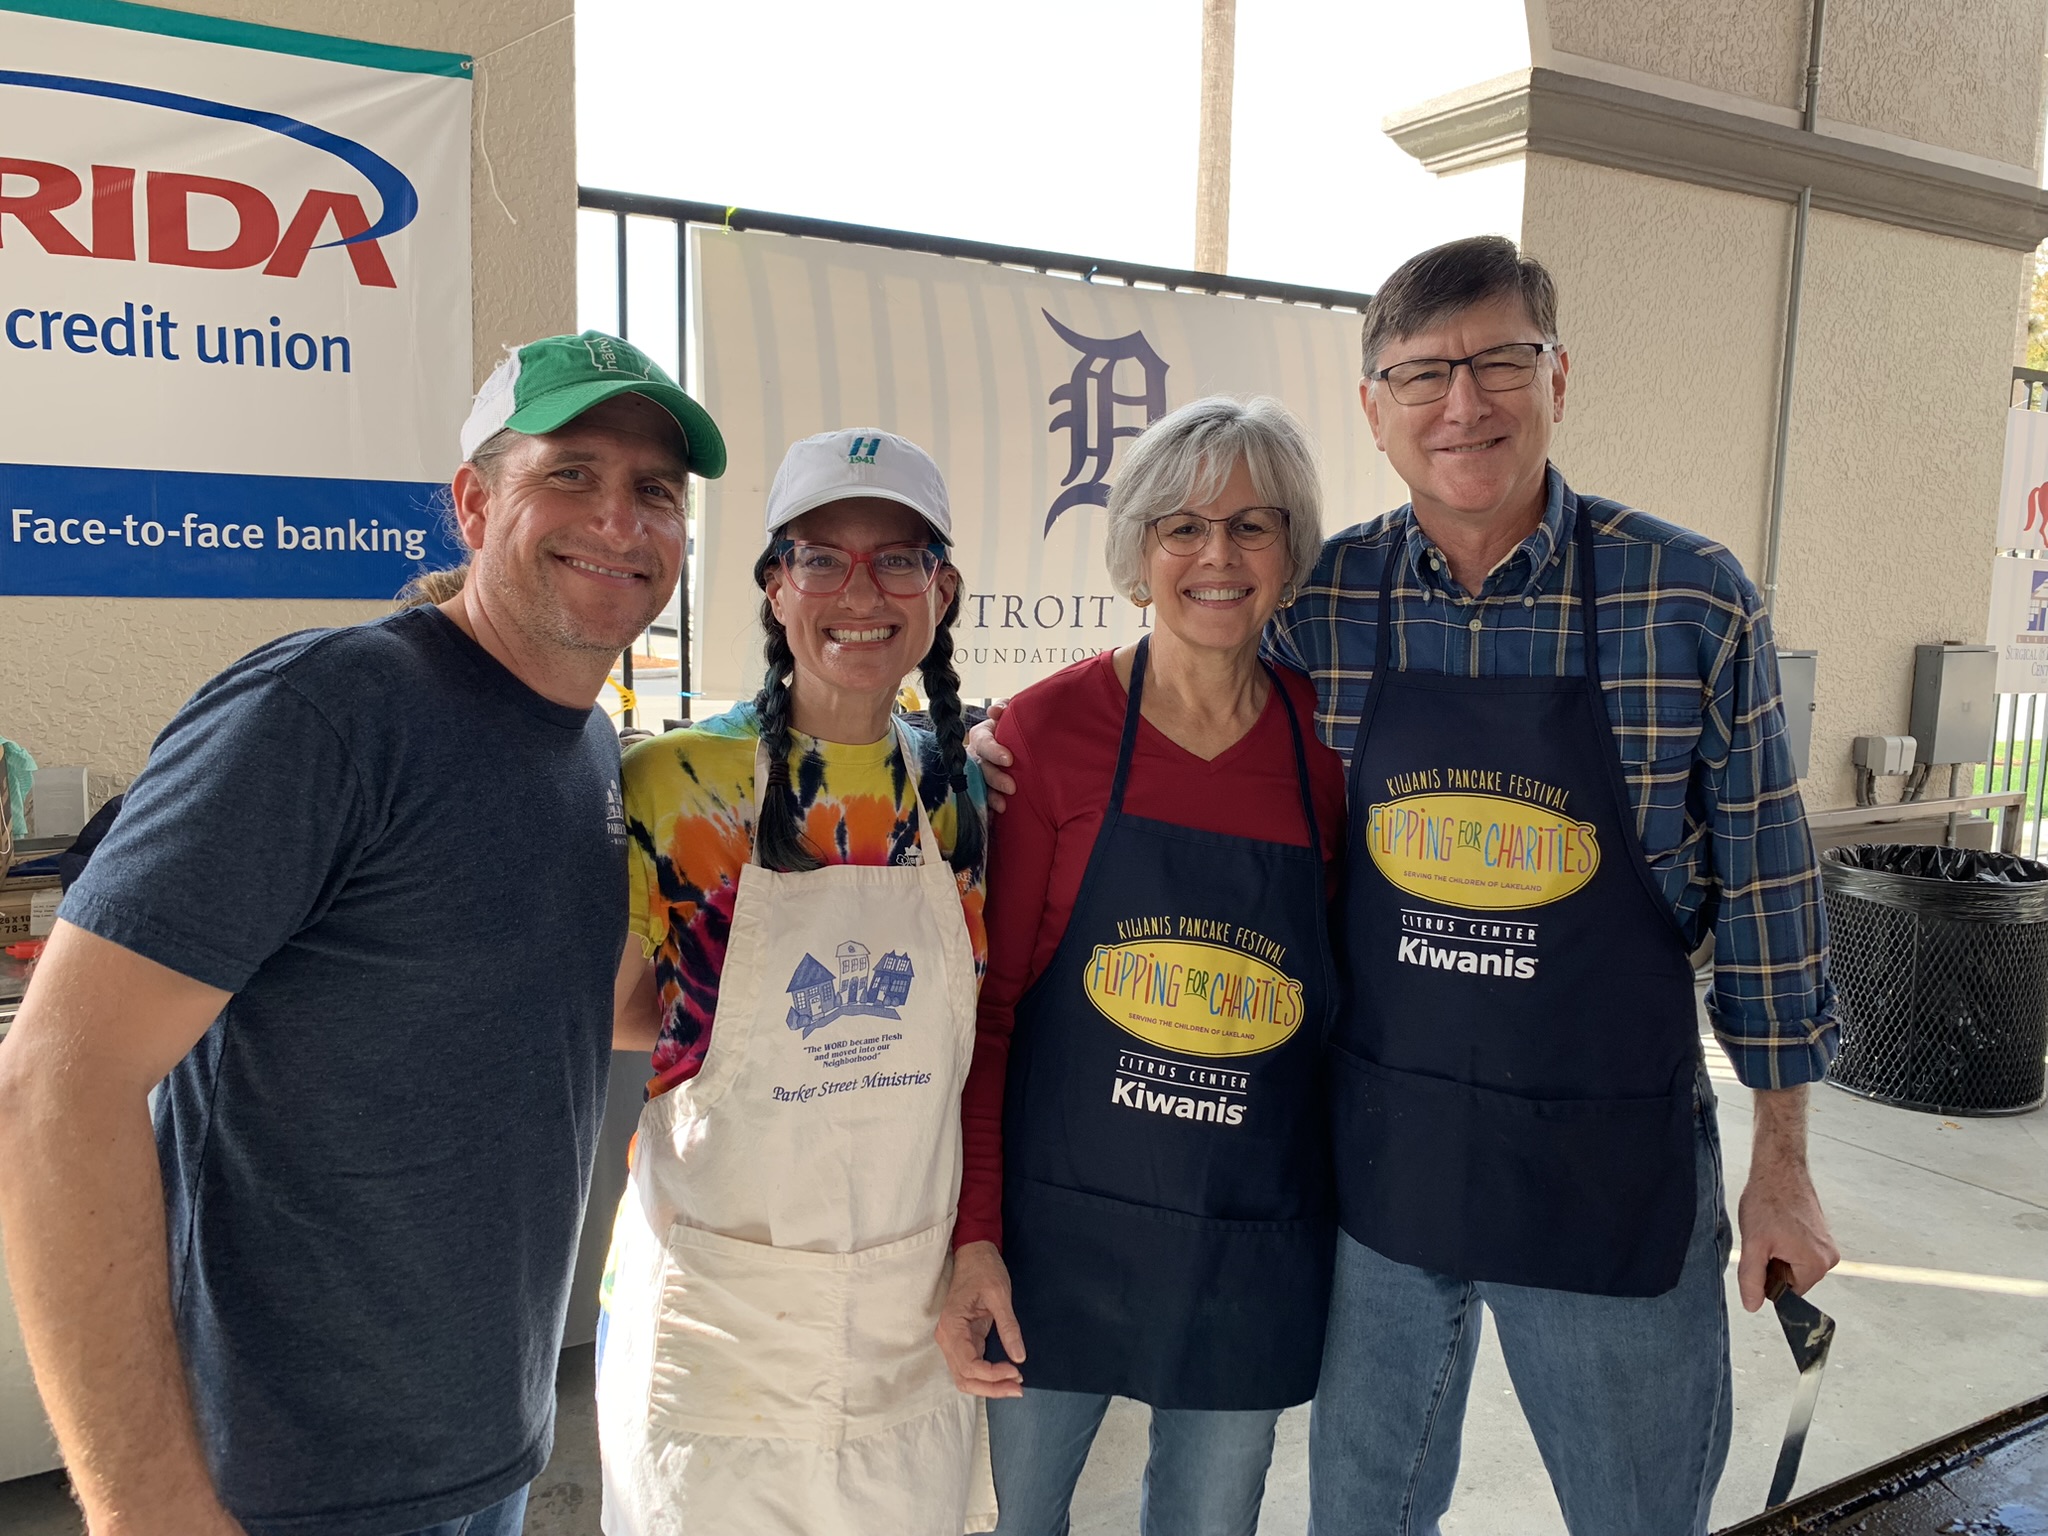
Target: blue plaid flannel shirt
{"type": "Point", "coordinates": [1692, 691]}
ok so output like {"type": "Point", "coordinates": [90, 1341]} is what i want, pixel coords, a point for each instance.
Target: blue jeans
{"type": "Point", "coordinates": [507, 1517]}
{"type": "Point", "coordinates": [1629, 1398]}
{"type": "Point", "coordinates": [1204, 1477]}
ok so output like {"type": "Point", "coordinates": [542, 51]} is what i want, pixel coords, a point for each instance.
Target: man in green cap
{"type": "Point", "coordinates": [364, 917]}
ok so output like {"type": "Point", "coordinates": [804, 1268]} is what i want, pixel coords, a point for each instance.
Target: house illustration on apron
{"type": "Point", "coordinates": [818, 997]}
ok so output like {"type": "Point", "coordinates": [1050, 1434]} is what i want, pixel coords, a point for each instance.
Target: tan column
{"type": "Point", "coordinates": [1212, 176]}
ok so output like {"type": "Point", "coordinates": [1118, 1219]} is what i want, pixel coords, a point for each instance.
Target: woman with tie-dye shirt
{"type": "Point", "coordinates": [690, 812]}
{"type": "Point", "coordinates": [806, 879]}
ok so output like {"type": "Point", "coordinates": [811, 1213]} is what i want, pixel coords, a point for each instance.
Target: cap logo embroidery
{"type": "Point", "coordinates": [607, 357]}
{"type": "Point", "coordinates": [864, 450]}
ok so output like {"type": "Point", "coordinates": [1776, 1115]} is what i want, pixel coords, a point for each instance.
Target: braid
{"type": "Point", "coordinates": [777, 837]}
{"type": "Point", "coordinates": [949, 721]}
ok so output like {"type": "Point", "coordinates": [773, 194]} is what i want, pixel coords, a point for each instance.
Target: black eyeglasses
{"type": "Point", "coordinates": [1421, 380]}
{"type": "Point", "coordinates": [1187, 533]}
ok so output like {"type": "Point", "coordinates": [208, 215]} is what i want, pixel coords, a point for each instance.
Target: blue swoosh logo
{"type": "Point", "coordinates": [401, 204]}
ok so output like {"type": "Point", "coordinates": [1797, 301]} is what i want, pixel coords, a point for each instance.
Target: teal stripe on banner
{"type": "Point", "coordinates": [246, 34]}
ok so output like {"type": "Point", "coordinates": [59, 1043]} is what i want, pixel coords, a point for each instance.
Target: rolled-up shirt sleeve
{"type": "Point", "coordinates": [1771, 1003]}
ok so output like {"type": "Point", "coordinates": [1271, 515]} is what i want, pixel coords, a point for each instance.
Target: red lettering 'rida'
{"type": "Point", "coordinates": [56, 187]}
{"type": "Point", "coordinates": [113, 213]}
{"type": "Point", "coordinates": [372, 271]}
{"type": "Point", "coordinates": [170, 232]}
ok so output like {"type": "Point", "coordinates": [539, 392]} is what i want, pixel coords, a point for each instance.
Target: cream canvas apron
{"type": "Point", "coordinates": [784, 1245]}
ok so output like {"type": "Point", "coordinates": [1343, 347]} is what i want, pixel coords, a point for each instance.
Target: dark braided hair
{"type": "Point", "coordinates": [949, 722]}
{"type": "Point", "coordinates": [777, 837]}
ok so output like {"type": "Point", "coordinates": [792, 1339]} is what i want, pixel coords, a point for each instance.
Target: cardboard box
{"type": "Point", "coordinates": [28, 908]}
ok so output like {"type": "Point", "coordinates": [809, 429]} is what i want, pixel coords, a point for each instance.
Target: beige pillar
{"type": "Point", "coordinates": [1212, 175]}
{"type": "Point", "coordinates": [1662, 155]}
{"type": "Point", "coordinates": [92, 680]}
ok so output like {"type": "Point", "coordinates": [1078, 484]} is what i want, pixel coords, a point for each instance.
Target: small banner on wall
{"type": "Point", "coordinates": [234, 305]}
{"type": "Point", "coordinates": [2019, 623]}
{"type": "Point", "coordinates": [1024, 387]}
{"type": "Point", "coordinates": [2023, 496]}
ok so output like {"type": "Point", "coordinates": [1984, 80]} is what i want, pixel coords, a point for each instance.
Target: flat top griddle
{"type": "Point", "coordinates": [1990, 1479]}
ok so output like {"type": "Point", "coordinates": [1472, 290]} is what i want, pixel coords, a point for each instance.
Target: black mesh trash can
{"type": "Point", "coordinates": [1940, 958]}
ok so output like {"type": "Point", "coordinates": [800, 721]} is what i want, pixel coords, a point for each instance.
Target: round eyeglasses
{"type": "Point", "coordinates": [1187, 533]}
{"type": "Point", "coordinates": [901, 570]}
{"type": "Point", "coordinates": [1423, 380]}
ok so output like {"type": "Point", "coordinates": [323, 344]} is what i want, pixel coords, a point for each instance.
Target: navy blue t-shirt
{"type": "Point", "coordinates": [410, 870]}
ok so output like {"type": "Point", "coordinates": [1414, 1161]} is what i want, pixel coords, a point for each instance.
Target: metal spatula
{"type": "Point", "coordinates": [1809, 1331]}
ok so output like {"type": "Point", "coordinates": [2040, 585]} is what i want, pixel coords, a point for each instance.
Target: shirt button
{"type": "Point", "coordinates": [1477, 626]}
{"type": "Point", "coordinates": [1528, 602]}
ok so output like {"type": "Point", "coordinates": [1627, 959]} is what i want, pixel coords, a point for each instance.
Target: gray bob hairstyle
{"type": "Point", "coordinates": [1184, 457]}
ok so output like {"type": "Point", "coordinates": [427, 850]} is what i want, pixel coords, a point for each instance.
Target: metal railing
{"type": "Point", "coordinates": [2018, 762]}
{"type": "Point", "coordinates": [627, 207]}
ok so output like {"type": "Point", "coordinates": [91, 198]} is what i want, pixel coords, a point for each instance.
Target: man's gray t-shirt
{"type": "Point", "coordinates": [409, 868]}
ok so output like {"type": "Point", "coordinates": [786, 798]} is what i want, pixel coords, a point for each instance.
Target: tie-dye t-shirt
{"type": "Point", "coordinates": [690, 816]}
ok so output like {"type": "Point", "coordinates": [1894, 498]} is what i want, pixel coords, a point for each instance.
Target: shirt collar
{"type": "Point", "coordinates": [1522, 573]}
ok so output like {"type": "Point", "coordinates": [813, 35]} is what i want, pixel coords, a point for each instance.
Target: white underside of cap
{"type": "Point", "coordinates": [493, 406]}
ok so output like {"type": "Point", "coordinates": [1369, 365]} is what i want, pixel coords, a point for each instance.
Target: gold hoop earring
{"type": "Point", "coordinates": [1288, 595]}
{"type": "Point", "coordinates": [1141, 594]}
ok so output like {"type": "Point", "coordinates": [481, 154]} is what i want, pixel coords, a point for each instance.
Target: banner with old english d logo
{"type": "Point", "coordinates": [1026, 388]}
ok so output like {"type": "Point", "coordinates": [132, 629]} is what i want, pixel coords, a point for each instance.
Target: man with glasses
{"type": "Point", "coordinates": [1567, 770]}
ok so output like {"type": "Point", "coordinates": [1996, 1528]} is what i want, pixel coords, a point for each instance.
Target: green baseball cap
{"type": "Point", "coordinates": [548, 383]}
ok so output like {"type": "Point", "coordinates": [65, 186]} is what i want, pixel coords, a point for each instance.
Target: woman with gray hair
{"type": "Point", "coordinates": [1146, 1210]}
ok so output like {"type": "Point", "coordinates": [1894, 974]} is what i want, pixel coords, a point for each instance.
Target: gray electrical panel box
{"type": "Point", "coordinates": [1797, 676]}
{"type": "Point", "coordinates": [1955, 702]}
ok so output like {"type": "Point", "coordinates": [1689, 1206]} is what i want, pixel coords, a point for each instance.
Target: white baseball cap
{"type": "Point", "coordinates": [858, 461]}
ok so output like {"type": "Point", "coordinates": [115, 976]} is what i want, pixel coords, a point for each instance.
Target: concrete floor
{"type": "Point", "coordinates": [1965, 1202]}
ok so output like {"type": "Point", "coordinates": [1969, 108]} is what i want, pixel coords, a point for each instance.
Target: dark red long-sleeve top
{"type": "Point", "coordinates": [1064, 732]}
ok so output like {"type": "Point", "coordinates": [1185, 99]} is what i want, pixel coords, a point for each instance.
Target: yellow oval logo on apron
{"type": "Point", "coordinates": [1486, 852]}
{"type": "Point", "coordinates": [1197, 999]}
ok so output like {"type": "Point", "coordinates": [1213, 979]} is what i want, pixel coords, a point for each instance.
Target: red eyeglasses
{"type": "Point", "coordinates": [901, 570]}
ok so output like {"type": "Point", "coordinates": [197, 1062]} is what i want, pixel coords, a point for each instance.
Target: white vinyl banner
{"type": "Point", "coordinates": [234, 304]}
{"type": "Point", "coordinates": [2023, 495]}
{"type": "Point", "coordinates": [2019, 623]}
{"type": "Point", "coordinates": [1024, 387]}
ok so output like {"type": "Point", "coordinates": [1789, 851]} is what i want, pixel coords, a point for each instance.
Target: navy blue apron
{"type": "Point", "coordinates": [1512, 1074]}
{"type": "Point", "coordinates": [1166, 1193]}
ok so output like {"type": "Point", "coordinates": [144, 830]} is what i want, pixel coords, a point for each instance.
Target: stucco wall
{"type": "Point", "coordinates": [1752, 48]}
{"type": "Point", "coordinates": [1671, 406]}
{"type": "Point", "coordinates": [1960, 74]}
{"type": "Point", "coordinates": [1953, 74]}
{"type": "Point", "coordinates": [92, 680]}
{"type": "Point", "coordinates": [1892, 473]}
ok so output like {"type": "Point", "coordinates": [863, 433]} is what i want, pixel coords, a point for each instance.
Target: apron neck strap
{"type": "Point", "coordinates": [1129, 744]}
{"type": "Point", "coordinates": [1589, 618]}
{"type": "Point", "coordinates": [906, 747]}
{"type": "Point", "coordinates": [1308, 795]}
{"type": "Point", "coordinates": [1128, 747]}
{"type": "Point", "coordinates": [1383, 653]}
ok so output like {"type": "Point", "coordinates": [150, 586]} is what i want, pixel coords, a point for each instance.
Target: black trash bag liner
{"type": "Point", "coordinates": [1940, 960]}
{"type": "Point", "coordinates": [1961, 884]}
{"type": "Point", "coordinates": [1922, 862]}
